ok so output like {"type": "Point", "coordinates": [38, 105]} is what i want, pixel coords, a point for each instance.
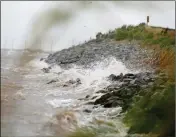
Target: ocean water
{"type": "Point", "coordinates": [29, 105]}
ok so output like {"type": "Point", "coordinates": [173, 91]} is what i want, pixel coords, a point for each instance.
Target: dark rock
{"type": "Point", "coordinates": [113, 87]}
{"type": "Point", "coordinates": [87, 96]}
{"type": "Point", "coordinates": [113, 103]}
{"type": "Point", "coordinates": [108, 104]}
{"type": "Point", "coordinates": [138, 81]}
{"type": "Point", "coordinates": [94, 97]}
{"type": "Point", "coordinates": [113, 77]}
{"type": "Point", "coordinates": [42, 59]}
{"type": "Point", "coordinates": [65, 85]}
{"type": "Point", "coordinates": [121, 94]}
{"type": "Point", "coordinates": [129, 75]}
{"type": "Point", "coordinates": [95, 106]}
{"type": "Point", "coordinates": [90, 103]}
{"type": "Point", "coordinates": [71, 82]}
{"type": "Point", "coordinates": [52, 81]}
{"type": "Point", "coordinates": [127, 80]}
{"type": "Point", "coordinates": [91, 51]}
{"type": "Point", "coordinates": [102, 99]}
{"type": "Point", "coordinates": [133, 81]}
{"type": "Point", "coordinates": [123, 84]}
{"type": "Point", "coordinates": [134, 86]}
{"type": "Point", "coordinates": [87, 111]}
{"type": "Point", "coordinates": [78, 81]}
{"type": "Point", "coordinates": [102, 91]}
{"type": "Point", "coordinates": [114, 98]}
{"type": "Point", "coordinates": [46, 70]}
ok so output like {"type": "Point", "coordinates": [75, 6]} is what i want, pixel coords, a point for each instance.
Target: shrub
{"type": "Point", "coordinates": [121, 34]}
{"type": "Point", "coordinates": [124, 27]}
{"type": "Point", "coordinates": [154, 112]}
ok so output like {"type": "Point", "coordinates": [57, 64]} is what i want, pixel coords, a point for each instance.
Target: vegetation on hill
{"type": "Point", "coordinates": [161, 40]}
{"type": "Point", "coordinates": [153, 111]}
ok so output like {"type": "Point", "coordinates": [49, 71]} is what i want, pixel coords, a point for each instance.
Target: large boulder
{"type": "Point", "coordinates": [113, 77]}
{"type": "Point", "coordinates": [72, 82]}
{"type": "Point", "coordinates": [46, 70]}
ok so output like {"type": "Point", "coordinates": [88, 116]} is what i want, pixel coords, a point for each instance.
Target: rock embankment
{"type": "Point", "coordinates": [123, 89]}
{"type": "Point", "coordinates": [92, 51]}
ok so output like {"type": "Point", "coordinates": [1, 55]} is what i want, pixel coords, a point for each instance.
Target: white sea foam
{"type": "Point", "coordinates": [92, 80]}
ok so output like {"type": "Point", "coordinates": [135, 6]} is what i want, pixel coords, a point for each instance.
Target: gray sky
{"type": "Point", "coordinates": [17, 18]}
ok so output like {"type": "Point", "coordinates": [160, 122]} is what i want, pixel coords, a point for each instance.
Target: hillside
{"type": "Point", "coordinates": [147, 99]}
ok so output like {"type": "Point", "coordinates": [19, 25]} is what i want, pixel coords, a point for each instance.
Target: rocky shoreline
{"type": "Point", "coordinates": [123, 89]}
{"type": "Point", "coordinates": [124, 86]}
{"type": "Point", "coordinates": [86, 54]}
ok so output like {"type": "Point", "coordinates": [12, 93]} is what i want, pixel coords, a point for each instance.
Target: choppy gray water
{"type": "Point", "coordinates": [29, 105]}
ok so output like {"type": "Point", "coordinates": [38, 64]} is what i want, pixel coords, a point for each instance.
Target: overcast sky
{"type": "Point", "coordinates": [17, 18]}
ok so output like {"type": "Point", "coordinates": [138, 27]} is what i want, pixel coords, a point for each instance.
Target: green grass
{"type": "Point", "coordinates": [154, 112]}
{"type": "Point", "coordinates": [147, 35]}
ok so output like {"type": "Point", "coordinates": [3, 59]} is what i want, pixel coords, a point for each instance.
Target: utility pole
{"type": "Point", "coordinates": [147, 20]}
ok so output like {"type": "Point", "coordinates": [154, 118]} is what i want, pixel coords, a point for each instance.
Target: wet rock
{"type": "Point", "coordinates": [94, 97]}
{"type": "Point", "coordinates": [102, 99]}
{"type": "Point", "coordinates": [97, 50]}
{"type": "Point", "coordinates": [52, 81]}
{"type": "Point", "coordinates": [127, 80]}
{"type": "Point", "coordinates": [46, 70]}
{"type": "Point", "coordinates": [78, 81]}
{"type": "Point", "coordinates": [112, 87]}
{"type": "Point", "coordinates": [113, 103]}
{"type": "Point", "coordinates": [65, 85]}
{"type": "Point", "coordinates": [102, 91]}
{"type": "Point", "coordinates": [87, 96]}
{"type": "Point", "coordinates": [95, 106]}
{"type": "Point", "coordinates": [129, 75]}
{"type": "Point", "coordinates": [114, 98]}
{"type": "Point", "coordinates": [42, 59]}
{"type": "Point", "coordinates": [113, 77]}
{"type": "Point", "coordinates": [132, 82]}
{"type": "Point", "coordinates": [90, 103]}
{"type": "Point", "coordinates": [72, 82]}
{"type": "Point", "coordinates": [87, 111]}
{"type": "Point", "coordinates": [121, 94]}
